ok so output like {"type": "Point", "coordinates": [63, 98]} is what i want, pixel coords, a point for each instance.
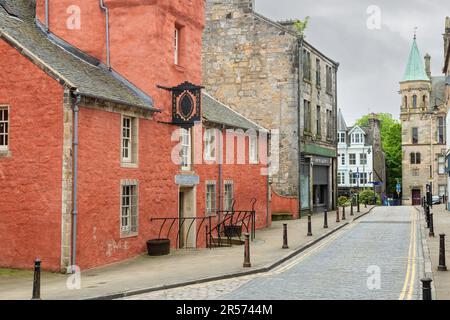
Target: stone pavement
{"type": "Point", "coordinates": [441, 279]}
{"type": "Point", "coordinates": [181, 267]}
{"type": "Point", "coordinates": [379, 257]}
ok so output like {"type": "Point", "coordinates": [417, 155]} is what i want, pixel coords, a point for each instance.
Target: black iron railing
{"type": "Point", "coordinates": [220, 229]}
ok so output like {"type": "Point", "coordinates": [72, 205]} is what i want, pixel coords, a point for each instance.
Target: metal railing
{"type": "Point", "coordinates": [219, 229]}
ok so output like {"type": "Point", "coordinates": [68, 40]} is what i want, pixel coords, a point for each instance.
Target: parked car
{"type": "Point", "coordinates": [436, 200]}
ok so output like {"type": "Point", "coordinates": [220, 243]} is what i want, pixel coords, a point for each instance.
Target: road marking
{"type": "Point", "coordinates": [411, 268]}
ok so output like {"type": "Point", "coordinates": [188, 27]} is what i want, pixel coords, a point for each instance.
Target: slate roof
{"type": "Point", "coordinates": [217, 112]}
{"type": "Point", "coordinates": [90, 80]}
{"type": "Point", "coordinates": [341, 125]}
{"type": "Point", "coordinates": [415, 69]}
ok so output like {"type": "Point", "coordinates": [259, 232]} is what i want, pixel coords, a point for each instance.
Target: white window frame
{"type": "Point", "coordinates": [211, 198]}
{"type": "Point", "coordinates": [343, 160]}
{"type": "Point", "coordinates": [210, 144]}
{"type": "Point", "coordinates": [186, 149]}
{"type": "Point", "coordinates": [176, 45]}
{"type": "Point", "coordinates": [341, 178]}
{"type": "Point", "coordinates": [227, 197]}
{"type": "Point", "coordinates": [253, 149]}
{"type": "Point", "coordinates": [4, 147]}
{"type": "Point", "coordinates": [350, 159]}
{"type": "Point", "coordinates": [341, 137]}
{"type": "Point", "coordinates": [353, 178]}
{"type": "Point", "coordinates": [441, 164]}
{"type": "Point", "coordinates": [363, 178]}
{"type": "Point", "coordinates": [363, 159]}
{"type": "Point", "coordinates": [129, 208]}
{"type": "Point", "coordinates": [127, 137]}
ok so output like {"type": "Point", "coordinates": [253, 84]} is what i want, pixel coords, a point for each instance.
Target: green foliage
{"type": "Point", "coordinates": [342, 201]}
{"type": "Point", "coordinates": [369, 197]}
{"type": "Point", "coordinates": [391, 139]}
{"type": "Point", "coordinates": [301, 26]}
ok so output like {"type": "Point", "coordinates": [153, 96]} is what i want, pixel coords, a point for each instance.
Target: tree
{"type": "Point", "coordinates": [391, 140]}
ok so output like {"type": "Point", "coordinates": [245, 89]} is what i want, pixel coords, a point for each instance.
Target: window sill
{"type": "Point", "coordinates": [5, 154]}
{"type": "Point", "coordinates": [128, 235]}
{"type": "Point", "coordinates": [129, 165]}
{"type": "Point", "coordinates": [179, 68]}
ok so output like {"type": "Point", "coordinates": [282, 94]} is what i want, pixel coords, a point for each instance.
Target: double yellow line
{"type": "Point", "coordinates": [408, 286]}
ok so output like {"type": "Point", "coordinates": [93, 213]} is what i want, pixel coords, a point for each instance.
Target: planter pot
{"type": "Point", "coordinates": [158, 247]}
{"type": "Point", "coordinates": [232, 231]}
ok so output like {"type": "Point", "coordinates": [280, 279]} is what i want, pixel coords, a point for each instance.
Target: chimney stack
{"type": "Point", "coordinates": [428, 65]}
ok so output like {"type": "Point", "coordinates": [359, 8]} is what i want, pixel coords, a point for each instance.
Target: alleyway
{"type": "Point", "coordinates": [377, 257]}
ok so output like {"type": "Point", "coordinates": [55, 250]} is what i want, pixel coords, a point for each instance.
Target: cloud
{"type": "Point", "coordinates": [372, 61]}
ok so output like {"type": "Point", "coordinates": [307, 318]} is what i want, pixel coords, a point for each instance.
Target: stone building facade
{"type": "Point", "coordinates": [361, 160]}
{"type": "Point", "coordinates": [423, 114]}
{"type": "Point", "coordinates": [267, 72]}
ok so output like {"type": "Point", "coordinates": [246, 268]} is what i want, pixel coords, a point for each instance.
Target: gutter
{"type": "Point", "coordinates": [108, 55]}
{"type": "Point", "coordinates": [76, 111]}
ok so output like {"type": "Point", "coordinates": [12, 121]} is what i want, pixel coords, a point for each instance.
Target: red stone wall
{"type": "Point", "coordinates": [30, 180]}
{"type": "Point", "coordinates": [284, 204]}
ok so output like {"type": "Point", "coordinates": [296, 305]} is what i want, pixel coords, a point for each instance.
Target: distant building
{"type": "Point", "coordinates": [361, 160]}
{"type": "Point", "coordinates": [423, 114]}
{"type": "Point", "coordinates": [264, 70]}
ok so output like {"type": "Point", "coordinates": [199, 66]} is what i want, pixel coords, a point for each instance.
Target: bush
{"type": "Point", "coordinates": [342, 201]}
{"type": "Point", "coordinates": [369, 197]}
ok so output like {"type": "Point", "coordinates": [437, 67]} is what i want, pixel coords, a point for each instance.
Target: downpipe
{"type": "Point", "coordinates": [76, 110]}
{"type": "Point", "coordinates": [47, 15]}
{"type": "Point", "coordinates": [108, 54]}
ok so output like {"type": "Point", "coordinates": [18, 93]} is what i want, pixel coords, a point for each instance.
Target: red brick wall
{"type": "Point", "coordinates": [30, 180]}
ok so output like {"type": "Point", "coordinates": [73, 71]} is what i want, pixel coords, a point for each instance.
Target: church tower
{"type": "Point", "coordinates": [423, 129]}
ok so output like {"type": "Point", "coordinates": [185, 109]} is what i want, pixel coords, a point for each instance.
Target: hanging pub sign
{"type": "Point", "coordinates": [186, 104]}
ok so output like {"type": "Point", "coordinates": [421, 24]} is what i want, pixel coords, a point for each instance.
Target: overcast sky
{"type": "Point", "coordinates": [372, 62]}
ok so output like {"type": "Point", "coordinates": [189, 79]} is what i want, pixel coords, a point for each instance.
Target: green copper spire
{"type": "Point", "coordinates": [415, 70]}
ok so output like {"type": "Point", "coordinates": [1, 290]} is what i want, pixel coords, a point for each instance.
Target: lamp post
{"type": "Point", "coordinates": [431, 113]}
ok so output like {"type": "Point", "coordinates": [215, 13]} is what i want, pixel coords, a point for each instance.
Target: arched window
{"type": "Point", "coordinates": [414, 102]}
{"type": "Point", "coordinates": [406, 102]}
{"type": "Point", "coordinates": [424, 101]}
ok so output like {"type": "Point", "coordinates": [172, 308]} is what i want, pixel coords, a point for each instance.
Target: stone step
{"type": "Point", "coordinates": [280, 216]}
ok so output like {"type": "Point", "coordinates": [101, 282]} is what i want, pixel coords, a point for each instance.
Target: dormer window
{"type": "Point", "coordinates": [341, 137]}
{"type": "Point", "coordinates": [357, 138]}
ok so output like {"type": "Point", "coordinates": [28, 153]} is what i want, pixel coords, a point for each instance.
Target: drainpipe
{"type": "Point", "coordinates": [221, 137]}
{"type": "Point", "coordinates": [76, 110]}
{"type": "Point", "coordinates": [108, 56]}
{"type": "Point", "coordinates": [299, 135]}
{"type": "Point", "coordinates": [46, 16]}
{"type": "Point", "coordinates": [335, 186]}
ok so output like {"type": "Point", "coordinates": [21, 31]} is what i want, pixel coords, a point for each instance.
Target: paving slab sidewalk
{"type": "Point", "coordinates": [181, 267]}
{"type": "Point", "coordinates": [441, 279]}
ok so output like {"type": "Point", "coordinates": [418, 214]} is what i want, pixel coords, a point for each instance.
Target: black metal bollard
{"type": "Point", "coordinates": [426, 288]}
{"type": "Point", "coordinates": [325, 219]}
{"type": "Point", "coordinates": [337, 215]}
{"type": "Point", "coordinates": [442, 266]}
{"type": "Point", "coordinates": [357, 203]}
{"type": "Point", "coordinates": [247, 263]}
{"type": "Point", "coordinates": [431, 234]}
{"type": "Point", "coordinates": [285, 237]}
{"type": "Point", "coordinates": [37, 280]}
{"type": "Point", "coordinates": [309, 226]}
{"type": "Point", "coordinates": [343, 213]}
{"type": "Point", "coordinates": [351, 209]}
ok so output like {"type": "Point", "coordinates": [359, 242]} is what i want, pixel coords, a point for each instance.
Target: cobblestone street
{"type": "Point", "coordinates": [376, 257]}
